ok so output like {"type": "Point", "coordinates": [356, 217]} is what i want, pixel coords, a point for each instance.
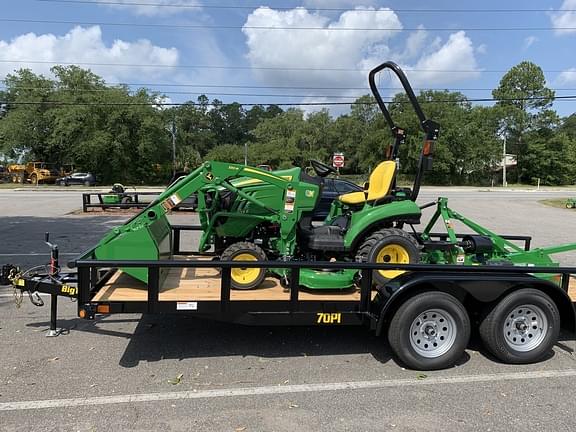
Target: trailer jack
{"type": "Point", "coordinates": [52, 281]}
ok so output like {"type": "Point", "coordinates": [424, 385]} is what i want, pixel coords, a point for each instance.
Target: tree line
{"type": "Point", "coordinates": [120, 135]}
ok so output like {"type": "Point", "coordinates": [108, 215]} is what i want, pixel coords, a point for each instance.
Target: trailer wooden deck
{"type": "Point", "coordinates": [197, 284]}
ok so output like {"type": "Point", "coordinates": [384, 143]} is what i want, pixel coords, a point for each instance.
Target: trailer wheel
{"type": "Point", "coordinates": [245, 278]}
{"type": "Point", "coordinates": [392, 246]}
{"type": "Point", "coordinates": [522, 328]}
{"type": "Point", "coordinates": [429, 331]}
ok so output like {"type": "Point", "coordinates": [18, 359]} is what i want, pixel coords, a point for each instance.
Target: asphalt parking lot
{"type": "Point", "coordinates": [120, 372]}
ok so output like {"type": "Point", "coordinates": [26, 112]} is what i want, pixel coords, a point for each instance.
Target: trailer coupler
{"type": "Point", "coordinates": [34, 284]}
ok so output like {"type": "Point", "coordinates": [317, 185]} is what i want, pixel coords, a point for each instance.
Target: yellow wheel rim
{"type": "Point", "coordinates": [392, 254]}
{"type": "Point", "coordinates": [245, 276]}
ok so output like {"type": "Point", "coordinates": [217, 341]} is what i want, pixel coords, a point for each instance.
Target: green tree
{"type": "Point", "coordinates": [522, 97]}
{"type": "Point", "coordinates": [25, 126]}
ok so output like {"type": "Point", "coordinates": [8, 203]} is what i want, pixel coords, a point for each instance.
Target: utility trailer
{"type": "Point", "coordinates": [366, 264]}
{"type": "Point", "coordinates": [427, 313]}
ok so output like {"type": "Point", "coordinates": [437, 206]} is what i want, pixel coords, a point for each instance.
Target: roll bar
{"type": "Point", "coordinates": [431, 128]}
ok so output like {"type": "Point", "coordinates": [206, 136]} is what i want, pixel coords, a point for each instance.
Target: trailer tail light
{"type": "Point", "coordinates": [103, 309]}
{"type": "Point", "coordinates": [82, 313]}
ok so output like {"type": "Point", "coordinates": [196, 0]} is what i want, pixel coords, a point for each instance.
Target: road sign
{"type": "Point", "coordinates": [338, 160]}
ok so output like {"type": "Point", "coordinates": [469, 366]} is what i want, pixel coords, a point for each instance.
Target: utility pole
{"type": "Point", "coordinates": [245, 153]}
{"type": "Point", "coordinates": [172, 130]}
{"type": "Point", "coordinates": [504, 182]}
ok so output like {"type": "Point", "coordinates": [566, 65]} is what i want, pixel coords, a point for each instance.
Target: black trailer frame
{"type": "Point", "coordinates": [87, 202]}
{"type": "Point", "coordinates": [371, 311]}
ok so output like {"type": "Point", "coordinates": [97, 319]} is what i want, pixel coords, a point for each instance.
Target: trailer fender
{"type": "Point", "coordinates": [472, 290]}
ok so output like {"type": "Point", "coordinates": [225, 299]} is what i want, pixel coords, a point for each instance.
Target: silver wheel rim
{"type": "Point", "coordinates": [433, 333]}
{"type": "Point", "coordinates": [525, 328]}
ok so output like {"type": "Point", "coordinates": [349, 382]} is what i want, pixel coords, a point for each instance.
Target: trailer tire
{"type": "Point", "coordinates": [429, 331]}
{"type": "Point", "coordinates": [245, 278]}
{"type": "Point", "coordinates": [522, 328]}
{"type": "Point", "coordinates": [390, 245]}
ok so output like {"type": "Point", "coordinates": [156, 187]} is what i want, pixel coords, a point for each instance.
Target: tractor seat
{"type": "Point", "coordinates": [379, 186]}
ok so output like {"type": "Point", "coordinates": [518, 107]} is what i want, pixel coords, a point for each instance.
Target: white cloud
{"type": "Point", "coordinates": [338, 3]}
{"type": "Point", "coordinates": [455, 56]}
{"type": "Point", "coordinates": [566, 18]}
{"type": "Point", "coordinates": [164, 7]}
{"type": "Point", "coordinates": [415, 43]}
{"type": "Point", "coordinates": [275, 53]}
{"type": "Point", "coordinates": [325, 48]}
{"type": "Point", "coordinates": [85, 45]}
{"type": "Point", "coordinates": [567, 77]}
{"type": "Point", "coordinates": [482, 49]}
{"type": "Point", "coordinates": [529, 41]}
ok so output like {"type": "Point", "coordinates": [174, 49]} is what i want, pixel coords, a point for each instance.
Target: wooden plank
{"type": "Point", "coordinates": [197, 284]}
{"type": "Point", "coordinates": [191, 284]}
{"type": "Point", "coordinates": [572, 289]}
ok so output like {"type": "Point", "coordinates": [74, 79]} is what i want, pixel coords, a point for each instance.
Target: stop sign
{"type": "Point", "coordinates": [338, 160]}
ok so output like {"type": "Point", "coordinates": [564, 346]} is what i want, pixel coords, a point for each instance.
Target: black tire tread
{"type": "Point", "coordinates": [377, 236]}
{"type": "Point", "coordinates": [231, 251]}
{"type": "Point", "coordinates": [490, 328]}
{"type": "Point", "coordinates": [400, 345]}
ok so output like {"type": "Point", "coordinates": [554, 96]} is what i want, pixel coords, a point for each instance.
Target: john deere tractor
{"type": "Point", "coordinates": [251, 214]}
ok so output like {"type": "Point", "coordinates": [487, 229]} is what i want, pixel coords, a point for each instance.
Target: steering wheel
{"type": "Point", "coordinates": [321, 169]}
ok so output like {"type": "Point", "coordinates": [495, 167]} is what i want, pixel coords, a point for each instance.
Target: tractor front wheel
{"type": "Point", "coordinates": [389, 246]}
{"type": "Point", "coordinates": [245, 278]}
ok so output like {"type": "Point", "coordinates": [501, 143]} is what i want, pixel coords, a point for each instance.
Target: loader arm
{"type": "Point", "coordinates": [148, 235]}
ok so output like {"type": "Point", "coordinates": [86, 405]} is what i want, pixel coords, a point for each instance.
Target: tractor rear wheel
{"type": "Point", "coordinates": [244, 278]}
{"type": "Point", "coordinates": [389, 246]}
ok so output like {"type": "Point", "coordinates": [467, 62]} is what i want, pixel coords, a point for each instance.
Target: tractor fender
{"type": "Point", "coordinates": [370, 218]}
{"type": "Point", "coordinates": [475, 291]}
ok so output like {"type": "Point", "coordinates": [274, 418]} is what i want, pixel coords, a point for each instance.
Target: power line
{"type": "Point", "coordinates": [232, 27]}
{"type": "Point", "coordinates": [199, 93]}
{"type": "Point", "coordinates": [303, 69]}
{"type": "Point", "coordinates": [160, 104]}
{"type": "Point", "coordinates": [359, 9]}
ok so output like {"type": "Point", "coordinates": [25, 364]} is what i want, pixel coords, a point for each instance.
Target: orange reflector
{"type": "Point", "coordinates": [103, 308]}
{"type": "Point", "coordinates": [557, 278]}
{"type": "Point", "coordinates": [82, 313]}
{"type": "Point", "coordinates": [428, 148]}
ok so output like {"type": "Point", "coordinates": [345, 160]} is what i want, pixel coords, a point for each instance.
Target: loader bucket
{"type": "Point", "coordinates": [145, 237]}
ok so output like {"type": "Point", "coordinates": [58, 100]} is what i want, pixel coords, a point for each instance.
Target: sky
{"type": "Point", "coordinates": [295, 52]}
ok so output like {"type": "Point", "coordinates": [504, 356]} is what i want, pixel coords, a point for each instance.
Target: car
{"type": "Point", "coordinates": [86, 179]}
{"type": "Point", "coordinates": [333, 187]}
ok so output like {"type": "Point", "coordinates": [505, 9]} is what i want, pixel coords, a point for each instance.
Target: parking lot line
{"type": "Point", "coordinates": [282, 389]}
